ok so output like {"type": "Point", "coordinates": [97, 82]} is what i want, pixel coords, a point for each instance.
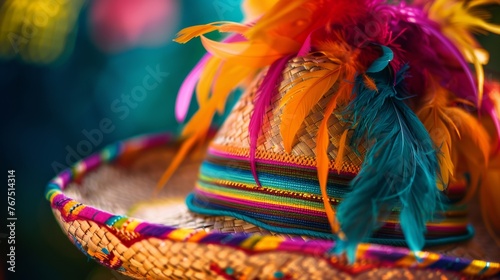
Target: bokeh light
{"type": "Point", "coordinates": [38, 31]}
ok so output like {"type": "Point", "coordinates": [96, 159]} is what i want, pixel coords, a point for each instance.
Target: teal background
{"type": "Point", "coordinates": [45, 108]}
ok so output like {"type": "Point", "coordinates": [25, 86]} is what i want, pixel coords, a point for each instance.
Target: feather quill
{"type": "Point", "coordinates": [399, 168]}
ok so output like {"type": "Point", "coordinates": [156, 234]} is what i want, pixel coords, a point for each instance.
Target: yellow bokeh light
{"type": "Point", "coordinates": [38, 31]}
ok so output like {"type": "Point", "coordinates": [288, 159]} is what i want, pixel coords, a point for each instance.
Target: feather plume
{"type": "Point", "coordinates": [457, 20]}
{"type": "Point", "coordinates": [306, 47]}
{"type": "Point", "coordinates": [489, 192]}
{"type": "Point", "coordinates": [306, 93]}
{"type": "Point", "coordinates": [297, 19]}
{"type": "Point", "coordinates": [472, 148]}
{"type": "Point", "coordinates": [322, 160]}
{"type": "Point", "coordinates": [399, 167]}
{"type": "Point", "coordinates": [206, 79]}
{"type": "Point", "coordinates": [229, 77]}
{"type": "Point", "coordinates": [188, 33]}
{"type": "Point", "coordinates": [440, 127]}
{"type": "Point", "coordinates": [370, 83]}
{"type": "Point", "coordinates": [252, 54]}
{"type": "Point", "coordinates": [279, 14]}
{"type": "Point", "coordinates": [186, 147]}
{"type": "Point", "coordinates": [489, 195]}
{"type": "Point", "coordinates": [187, 88]}
{"type": "Point", "coordinates": [262, 101]}
{"type": "Point", "coordinates": [491, 105]}
{"type": "Point", "coordinates": [254, 9]}
{"type": "Point", "coordinates": [323, 164]}
{"type": "Point", "coordinates": [207, 66]}
{"type": "Point", "coordinates": [301, 99]}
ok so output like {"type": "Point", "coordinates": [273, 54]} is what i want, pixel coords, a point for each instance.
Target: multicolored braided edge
{"type": "Point", "coordinates": [374, 255]}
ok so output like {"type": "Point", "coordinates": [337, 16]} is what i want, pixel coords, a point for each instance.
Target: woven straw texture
{"type": "Point", "coordinates": [233, 135]}
{"type": "Point", "coordinates": [126, 189]}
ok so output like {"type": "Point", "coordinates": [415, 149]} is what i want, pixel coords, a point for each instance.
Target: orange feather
{"type": "Point", "coordinates": [472, 148]}
{"type": "Point", "coordinates": [251, 53]}
{"type": "Point", "coordinates": [440, 127]}
{"type": "Point", "coordinates": [306, 95]}
{"type": "Point", "coordinates": [179, 157]}
{"type": "Point", "coordinates": [489, 195]}
{"type": "Point", "coordinates": [323, 163]}
{"type": "Point", "coordinates": [188, 33]}
{"type": "Point", "coordinates": [370, 83]}
{"type": "Point", "coordinates": [207, 77]}
{"type": "Point", "coordinates": [284, 13]}
{"type": "Point", "coordinates": [230, 76]}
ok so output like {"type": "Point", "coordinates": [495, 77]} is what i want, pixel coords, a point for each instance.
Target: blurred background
{"type": "Point", "coordinates": [67, 66]}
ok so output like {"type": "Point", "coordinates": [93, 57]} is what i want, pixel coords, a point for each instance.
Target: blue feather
{"type": "Point", "coordinates": [399, 169]}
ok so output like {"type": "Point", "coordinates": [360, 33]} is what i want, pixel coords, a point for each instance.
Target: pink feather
{"type": "Point", "coordinates": [306, 46]}
{"type": "Point", "coordinates": [263, 99]}
{"type": "Point", "coordinates": [187, 88]}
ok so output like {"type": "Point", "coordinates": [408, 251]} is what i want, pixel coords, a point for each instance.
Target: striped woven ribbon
{"type": "Point", "coordinates": [290, 201]}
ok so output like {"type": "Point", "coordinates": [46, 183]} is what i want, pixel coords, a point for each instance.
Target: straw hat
{"type": "Point", "coordinates": [342, 158]}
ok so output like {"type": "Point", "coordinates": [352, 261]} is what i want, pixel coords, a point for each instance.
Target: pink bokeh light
{"type": "Point", "coordinates": [118, 25]}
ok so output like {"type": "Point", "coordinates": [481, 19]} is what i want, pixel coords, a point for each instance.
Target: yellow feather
{"type": "Point", "coordinates": [339, 160]}
{"type": "Point", "coordinates": [323, 162]}
{"type": "Point", "coordinates": [298, 107]}
{"type": "Point", "coordinates": [458, 19]}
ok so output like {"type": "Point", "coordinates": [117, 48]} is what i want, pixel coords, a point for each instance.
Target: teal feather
{"type": "Point", "coordinates": [381, 63]}
{"type": "Point", "coordinates": [399, 169]}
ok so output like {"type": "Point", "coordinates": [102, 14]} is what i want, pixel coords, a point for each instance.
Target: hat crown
{"type": "Point", "coordinates": [233, 136]}
{"type": "Point", "coordinates": [289, 199]}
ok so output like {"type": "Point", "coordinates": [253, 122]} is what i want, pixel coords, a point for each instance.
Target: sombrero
{"type": "Point", "coordinates": [348, 155]}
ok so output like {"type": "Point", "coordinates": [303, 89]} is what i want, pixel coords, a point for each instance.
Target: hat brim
{"type": "Point", "coordinates": [107, 206]}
